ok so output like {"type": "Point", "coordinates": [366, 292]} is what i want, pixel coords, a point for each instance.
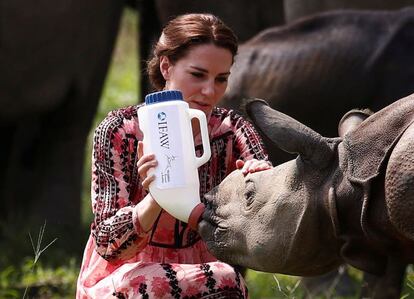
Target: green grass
{"type": "Point", "coordinates": [40, 281]}
{"type": "Point", "coordinates": [267, 285]}
{"type": "Point", "coordinates": [46, 281]}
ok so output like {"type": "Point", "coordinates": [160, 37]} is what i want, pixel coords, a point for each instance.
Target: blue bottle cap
{"type": "Point", "coordinates": [163, 96]}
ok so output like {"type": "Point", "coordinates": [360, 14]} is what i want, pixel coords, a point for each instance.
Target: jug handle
{"type": "Point", "coordinates": [195, 113]}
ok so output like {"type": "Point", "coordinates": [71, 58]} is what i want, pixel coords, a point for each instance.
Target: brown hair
{"type": "Point", "coordinates": [183, 32]}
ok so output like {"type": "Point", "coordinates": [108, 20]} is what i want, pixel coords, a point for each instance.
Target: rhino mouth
{"type": "Point", "coordinates": [208, 225]}
{"type": "Point", "coordinates": [209, 221]}
{"type": "Point", "coordinates": [212, 231]}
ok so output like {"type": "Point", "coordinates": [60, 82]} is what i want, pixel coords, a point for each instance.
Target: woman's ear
{"type": "Point", "coordinates": [165, 67]}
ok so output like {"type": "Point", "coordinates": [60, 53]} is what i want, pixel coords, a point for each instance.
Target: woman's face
{"type": "Point", "coordinates": [201, 75]}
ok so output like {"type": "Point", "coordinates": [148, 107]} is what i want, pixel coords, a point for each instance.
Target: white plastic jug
{"type": "Point", "coordinates": [165, 120]}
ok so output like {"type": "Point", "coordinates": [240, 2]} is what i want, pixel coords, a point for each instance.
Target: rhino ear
{"type": "Point", "coordinates": [290, 135]}
{"type": "Point", "coordinates": [352, 119]}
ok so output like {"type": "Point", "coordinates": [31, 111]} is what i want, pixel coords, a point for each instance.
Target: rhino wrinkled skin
{"type": "Point", "coordinates": [317, 68]}
{"type": "Point", "coordinates": [347, 199]}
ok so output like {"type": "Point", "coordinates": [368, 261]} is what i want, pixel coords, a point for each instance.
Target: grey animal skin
{"type": "Point", "coordinates": [295, 9]}
{"type": "Point", "coordinates": [341, 200]}
{"type": "Point", "coordinates": [320, 67]}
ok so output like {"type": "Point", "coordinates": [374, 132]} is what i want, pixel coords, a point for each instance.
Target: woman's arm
{"type": "Point", "coordinates": [148, 208]}
{"type": "Point", "coordinates": [118, 198]}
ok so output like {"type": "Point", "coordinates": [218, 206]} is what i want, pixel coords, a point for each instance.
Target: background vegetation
{"type": "Point", "coordinates": [37, 277]}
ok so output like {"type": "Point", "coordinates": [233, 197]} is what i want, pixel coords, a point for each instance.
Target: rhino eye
{"type": "Point", "coordinates": [250, 192]}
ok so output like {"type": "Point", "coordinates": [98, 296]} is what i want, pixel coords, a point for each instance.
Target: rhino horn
{"type": "Point", "coordinates": [290, 135]}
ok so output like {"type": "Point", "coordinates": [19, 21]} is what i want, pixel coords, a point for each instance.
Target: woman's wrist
{"type": "Point", "coordinates": [146, 212]}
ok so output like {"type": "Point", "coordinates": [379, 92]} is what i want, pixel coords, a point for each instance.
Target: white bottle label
{"type": "Point", "coordinates": [165, 125]}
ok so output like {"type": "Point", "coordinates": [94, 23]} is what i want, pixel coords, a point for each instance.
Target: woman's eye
{"type": "Point", "coordinates": [222, 79]}
{"type": "Point", "coordinates": [197, 75]}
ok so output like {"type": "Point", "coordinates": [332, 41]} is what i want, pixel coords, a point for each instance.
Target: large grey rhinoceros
{"type": "Point", "coordinates": [330, 62]}
{"type": "Point", "coordinates": [347, 199]}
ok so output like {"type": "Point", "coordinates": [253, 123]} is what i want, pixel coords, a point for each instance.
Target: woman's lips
{"type": "Point", "coordinates": [200, 105]}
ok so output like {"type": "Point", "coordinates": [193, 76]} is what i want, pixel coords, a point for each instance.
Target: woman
{"type": "Point", "coordinates": [135, 248]}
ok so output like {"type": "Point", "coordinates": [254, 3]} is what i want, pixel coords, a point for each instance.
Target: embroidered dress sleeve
{"type": "Point", "coordinates": [116, 190]}
{"type": "Point", "coordinates": [247, 141]}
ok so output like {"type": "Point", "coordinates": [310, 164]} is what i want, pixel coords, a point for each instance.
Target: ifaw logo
{"type": "Point", "coordinates": [162, 116]}
{"type": "Point", "coordinates": [163, 130]}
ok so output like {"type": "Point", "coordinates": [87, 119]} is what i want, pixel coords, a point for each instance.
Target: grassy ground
{"type": "Point", "coordinates": [43, 281]}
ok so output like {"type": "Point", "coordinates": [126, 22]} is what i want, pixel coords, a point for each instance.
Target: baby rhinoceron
{"type": "Point", "coordinates": [347, 199]}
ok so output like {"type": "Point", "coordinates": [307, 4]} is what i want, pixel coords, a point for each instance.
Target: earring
{"type": "Point", "coordinates": [167, 83]}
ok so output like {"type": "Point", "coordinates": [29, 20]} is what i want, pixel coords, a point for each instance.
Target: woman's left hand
{"type": "Point", "coordinates": [253, 165]}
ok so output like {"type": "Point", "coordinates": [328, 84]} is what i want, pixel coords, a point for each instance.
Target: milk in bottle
{"type": "Point", "coordinates": [165, 120]}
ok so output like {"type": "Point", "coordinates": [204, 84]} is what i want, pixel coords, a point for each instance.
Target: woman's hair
{"type": "Point", "coordinates": [184, 32]}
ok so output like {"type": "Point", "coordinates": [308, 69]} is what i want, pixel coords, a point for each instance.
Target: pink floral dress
{"type": "Point", "coordinates": [170, 261]}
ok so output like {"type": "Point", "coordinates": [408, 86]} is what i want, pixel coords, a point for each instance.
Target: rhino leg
{"type": "Point", "coordinates": [332, 284]}
{"type": "Point", "coordinates": [387, 286]}
{"type": "Point", "coordinates": [399, 184]}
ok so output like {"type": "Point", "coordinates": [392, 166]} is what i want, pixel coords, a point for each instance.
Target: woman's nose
{"type": "Point", "coordinates": [208, 88]}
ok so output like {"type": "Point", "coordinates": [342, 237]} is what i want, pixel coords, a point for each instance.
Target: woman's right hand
{"type": "Point", "coordinates": [145, 163]}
